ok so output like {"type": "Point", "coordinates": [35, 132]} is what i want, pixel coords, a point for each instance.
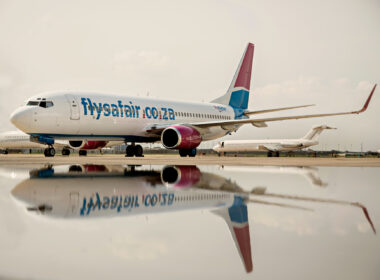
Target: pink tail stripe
{"type": "Point", "coordinates": [244, 77]}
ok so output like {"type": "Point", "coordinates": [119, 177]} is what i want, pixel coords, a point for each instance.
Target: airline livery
{"type": "Point", "coordinates": [84, 116]}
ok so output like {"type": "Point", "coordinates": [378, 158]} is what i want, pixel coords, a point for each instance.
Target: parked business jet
{"type": "Point", "coordinates": [83, 116]}
{"type": "Point", "coordinates": [311, 174]}
{"type": "Point", "coordinates": [272, 146]}
{"type": "Point", "coordinates": [20, 140]}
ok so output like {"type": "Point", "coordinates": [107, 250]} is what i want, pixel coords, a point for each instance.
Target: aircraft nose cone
{"type": "Point", "coordinates": [21, 118]}
{"type": "Point", "coordinates": [21, 193]}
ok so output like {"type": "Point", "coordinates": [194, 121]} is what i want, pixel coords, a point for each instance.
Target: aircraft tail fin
{"type": "Point", "coordinates": [314, 133]}
{"type": "Point", "coordinates": [238, 93]}
{"type": "Point", "coordinates": [236, 217]}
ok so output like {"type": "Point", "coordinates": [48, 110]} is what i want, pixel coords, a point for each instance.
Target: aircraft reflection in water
{"type": "Point", "coordinates": [91, 191]}
{"type": "Point", "coordinates": [97, 191]}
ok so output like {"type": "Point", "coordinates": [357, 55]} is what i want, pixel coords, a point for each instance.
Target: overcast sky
{"type": "Point", "coordinates": [306, 52]}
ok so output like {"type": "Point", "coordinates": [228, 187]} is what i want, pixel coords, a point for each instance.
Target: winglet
{"type": "Point", "coordinates": [368, 100]}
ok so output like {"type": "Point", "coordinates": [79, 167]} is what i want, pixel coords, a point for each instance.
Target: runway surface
{"type": "Point", "coordinates": [199, 160]}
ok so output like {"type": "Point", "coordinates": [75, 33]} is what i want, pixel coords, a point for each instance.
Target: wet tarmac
{"type": "Point", "coordinates": [95, 221]}
{"type": "Point", "coordinates": [199, 160]}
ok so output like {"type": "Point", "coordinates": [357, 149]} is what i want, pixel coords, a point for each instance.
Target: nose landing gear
{"type": "Point", "coordinates": [49, 152]}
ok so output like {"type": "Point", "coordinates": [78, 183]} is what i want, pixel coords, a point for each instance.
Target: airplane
{"type": "Point", "coordinates": [98, 191]}
{"type": "Point", "coordinates": [182, 126]}
{"type": "Point", "coordinates": [20, 140]}
{"type": "Point", "coordinates": [311, 174]}
{"type": "Point", "coordinates": [272, 146]}
{"type": "Point", "coordinates": [83, 192]}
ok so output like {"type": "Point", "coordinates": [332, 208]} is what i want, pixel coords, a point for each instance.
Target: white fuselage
{"type": "Point", "coordinates": [111, 193]}
{"type": "Point", "coordinates": [107, 117]}
{"type": "Point", "coordinates": [264, 145]}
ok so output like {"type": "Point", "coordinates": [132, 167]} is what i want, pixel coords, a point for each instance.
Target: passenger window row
{"type": "Point", "coordinates": [199, 115]}
{"type": "Point", "coordinates": [200, 197]}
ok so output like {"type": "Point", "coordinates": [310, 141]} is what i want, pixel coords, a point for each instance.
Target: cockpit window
{"type": "Point", "coordinates": [43, 104]}
{"type": "Point", "coordinates": [32, 103]}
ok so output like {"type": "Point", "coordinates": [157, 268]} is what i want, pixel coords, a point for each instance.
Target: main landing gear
{"type": "Point", "coordinates": [82, 153]}
{"type": "Point", "coordinates": [187, 152]}
{"type": "Point", "coordinates": [134, 150]}
{"type": "Point", "coordinates": [49, 152]}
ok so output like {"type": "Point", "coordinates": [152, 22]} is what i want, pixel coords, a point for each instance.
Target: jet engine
{"type": "Point", "coordinates": [87, 145]}
{"type": "Point", "coordinates": [180, 137]}
{"type": "Point", "coordinates": [181, 176]}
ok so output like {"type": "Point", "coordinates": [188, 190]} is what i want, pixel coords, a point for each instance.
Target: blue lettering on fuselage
{"type": "Point", "coordinates": [119, 202]}
{"type": "Point", "coordinates": [120, 110]}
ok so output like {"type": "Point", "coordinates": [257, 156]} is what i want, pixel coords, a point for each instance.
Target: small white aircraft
{"type": "Point", "coordinates": [272, 145]}
{"type": "Point", "coordinates": [84, 116]}
{"type": "Point", "coordinates": [20, 140]}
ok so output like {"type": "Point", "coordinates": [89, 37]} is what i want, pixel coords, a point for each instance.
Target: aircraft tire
{"type": "Point", "coordinates": [49, 152]}
{"type": "Point", "coordinates": [183, 153]}
{"type": "Point", "coordinates": [192, 152]}
{"type": "Point", "coordinates": [269, 154]}
{"type": "Point", "coordinates": [139, 152]}
{"type": "Point", "coordinates": [65, 152]}
{"type": "Point", "coordinates": [129, 151]}
{"type": "Point", "coordinates": [83, 153]}
{"type": "Point", "coordinates": [277, 154]}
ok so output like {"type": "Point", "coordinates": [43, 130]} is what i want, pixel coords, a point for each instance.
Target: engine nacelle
{"type": "Point", "coordinates": [181, 176]}
{"type": "Point", "coordinates": [87, 145]}
{"type": "Point", "coordinates": [180, 137]}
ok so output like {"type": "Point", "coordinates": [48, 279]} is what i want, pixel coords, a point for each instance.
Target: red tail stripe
{"type": "Point", "coordinates": [244, 241]}
{"type": "Point", "coordinates": [244, 77]}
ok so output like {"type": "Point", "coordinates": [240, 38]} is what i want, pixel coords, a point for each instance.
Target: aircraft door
{"type": "Point", "coordinates": [74, 107]}
{"type": "Point", "coordinates": [74, 202]}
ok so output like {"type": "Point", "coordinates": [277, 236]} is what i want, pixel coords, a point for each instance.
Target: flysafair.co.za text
{"type": "Point", "coordinates": [125, 110]}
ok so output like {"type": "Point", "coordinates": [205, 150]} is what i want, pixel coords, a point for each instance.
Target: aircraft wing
{"type": "Point", "coordinates": [156, 129]}
{"type": "Point", "coordinates": [247, 113]}
{"type": "Point", "coordinates": [262, 122]}
{"type": "Point", "coordinates": [270, 147]}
